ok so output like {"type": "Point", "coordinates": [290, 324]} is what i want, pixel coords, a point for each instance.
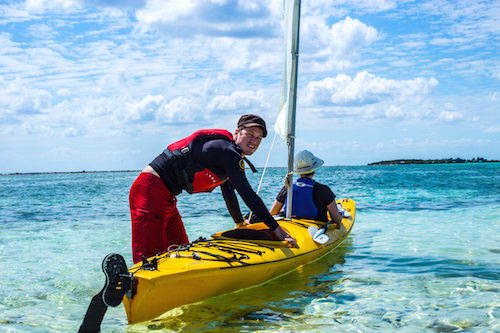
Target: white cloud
{"type": "Point", "coordinates": [447, 41]}
{"type": "Point", "coordinates": [8, 45]}
{"type": "Point", "coordinates": [64, 92]}
{"type": "Point", "coordinates": [247, 54]}
{"type": "Point", "coordinates": [11, 13]}
{"type": "Point", "coordinates": [376, 5]}
{"type": "Point", "coordinates": [364, 88]}
{"type": "Point", "coordinates": [208, 17]}
{"type": "Point", "coordinates": [402, 63]}
{"type": "Point", "coordinates": [44, 5]}
{"type": "Point", "coordinates": [157, 109]}
{"type": "Point", "coordinates": [42, 31]}
{"type": "Point", "coordinates": [239, 101]}
{"type": "Point", "coordinates": [492, 129]}
{"type": "Point", "coordinates": [342, 7]}
{"type": "Point", "coordinates": [179, 109]}
{"type": "Point", "coordinates": [402, 142]}
{"type": "Point", "coordinates": [73, 132]}
{"type": "Point", "coordinates": [496, 72]}
{"type": "Point", "coordinates": [450, 116]}
{"type": "Point", "coordinates": [144, 109]}
{"type": "Point", "coordinates": [166, 11]}
{"type": "Point", "coordinates": [333, 47]}
{"type": "Point", "coordinates": [395, 112]}
{"type": "Point", "coordinates": [350, 35]}
{"type": "Point", "coordinates": [17, 98]}
{"type": "Point", "coordinates": [414, 44]}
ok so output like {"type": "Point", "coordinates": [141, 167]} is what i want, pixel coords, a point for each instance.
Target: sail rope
{"type": "Point", "coordinates": [267, 162]}
{"type": "Point", "coordinates": [264, 171]}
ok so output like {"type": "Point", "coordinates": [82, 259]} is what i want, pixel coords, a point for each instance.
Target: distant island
{"type": "Point", "coordinates": [441, 161]}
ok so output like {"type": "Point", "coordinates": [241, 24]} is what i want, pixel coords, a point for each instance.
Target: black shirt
{"type": "Point", "coordinates": [224, 159]}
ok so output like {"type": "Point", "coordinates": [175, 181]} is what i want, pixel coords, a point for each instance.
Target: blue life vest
{"type": "Point", "coordinates": [302, 199]}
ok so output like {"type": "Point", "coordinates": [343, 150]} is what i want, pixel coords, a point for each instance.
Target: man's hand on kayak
{"type": "Point", "coordinates": [283, 235]}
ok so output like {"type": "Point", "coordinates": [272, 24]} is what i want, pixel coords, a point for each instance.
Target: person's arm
{"type": "Point", "coordinates": [254, 202]}
{"type": "Point", "coordinates": [231, 202]}
{"type": "Point", "coordinates": [256, 205]}
{"type": "Point", "coordinates": [279, 202]}
{"type": "Point", "coordinates": [334, 213]}
{"type": "Point", "coordinates": [276, 207]}
{"type": "Point", "coordinates": [283, 235]}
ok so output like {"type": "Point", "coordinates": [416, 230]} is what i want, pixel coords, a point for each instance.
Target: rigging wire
{"type": "Point", "coordinates": [267, 162]}
{"type": "Point", "coordinates": [264, 171]}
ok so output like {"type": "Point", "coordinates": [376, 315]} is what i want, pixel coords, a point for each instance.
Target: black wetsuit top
{"type": "Point", "coordinates": [322, 197]}
{"type": "Point", "coordinates": [224, 159]}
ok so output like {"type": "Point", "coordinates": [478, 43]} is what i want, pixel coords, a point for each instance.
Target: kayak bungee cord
{"type": "Point", "coordinates": [229, 248]}
{"type": "Point", "coordinates": [174, 252]}
{"type": "Point", "coordinates": [237, 242]}
{"type": "Point", "coordinates": [222, 258]}
{"type": "Point", "coordinates": [226, 248]}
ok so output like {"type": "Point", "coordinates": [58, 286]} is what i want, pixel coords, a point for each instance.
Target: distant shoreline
{"type": "Point", "coordinates": [83, 171]}
{"type": "Point", "coordinates": [391, 162]}
{"type": "Point", "coordinates": [440, 161]}
{"type": "Point", "coordinates": [61, 172]}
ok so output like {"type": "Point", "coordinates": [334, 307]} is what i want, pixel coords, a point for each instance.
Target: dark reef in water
{"type": "Point", "coordinates": [441, 161]}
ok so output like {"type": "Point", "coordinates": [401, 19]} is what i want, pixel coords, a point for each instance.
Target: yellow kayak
{"type": "Point", "coordinates": [206, 268]}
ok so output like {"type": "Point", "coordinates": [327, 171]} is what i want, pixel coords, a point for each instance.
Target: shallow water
{"type": "Point", "coordinates": [424, 254]}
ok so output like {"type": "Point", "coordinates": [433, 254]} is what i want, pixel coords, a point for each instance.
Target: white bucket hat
{"type": "Point", "coordinates": [306, 162]}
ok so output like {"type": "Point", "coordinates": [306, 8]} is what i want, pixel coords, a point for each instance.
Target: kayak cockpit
{"type": "Point", "coordinates": [254, 233]}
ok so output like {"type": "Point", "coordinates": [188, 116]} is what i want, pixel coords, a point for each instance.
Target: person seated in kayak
{"type": "Point", "coordinates": [198, 163]}
{"type": "Point", "coordinates": [310, 199]}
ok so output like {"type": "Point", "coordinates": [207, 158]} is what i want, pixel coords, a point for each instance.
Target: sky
{"type": "Point", "coordinates": [107, 84]}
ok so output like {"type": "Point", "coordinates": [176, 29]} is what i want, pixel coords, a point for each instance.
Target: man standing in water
{"type": "Point", "coordinates": [197, 163]}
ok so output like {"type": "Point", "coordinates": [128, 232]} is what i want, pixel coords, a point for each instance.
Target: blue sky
{"type": "Point", "coordinates": [106, 85]}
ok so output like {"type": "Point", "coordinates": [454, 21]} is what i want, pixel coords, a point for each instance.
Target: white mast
{"type": "Point", "coordinates": [292, 102]}
{"type": "Point", "coordinates": [285, 123]}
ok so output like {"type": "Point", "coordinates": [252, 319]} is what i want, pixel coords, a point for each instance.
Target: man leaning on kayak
{"type": "Point", "coordinates": [198, 163]}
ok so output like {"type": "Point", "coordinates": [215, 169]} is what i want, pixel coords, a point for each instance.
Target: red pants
{"type": "Point", "coordinates": [156, 222]}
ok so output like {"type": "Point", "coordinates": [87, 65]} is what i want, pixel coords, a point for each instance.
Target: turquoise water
{"type": "Point", "coordinates": [424, 254]}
